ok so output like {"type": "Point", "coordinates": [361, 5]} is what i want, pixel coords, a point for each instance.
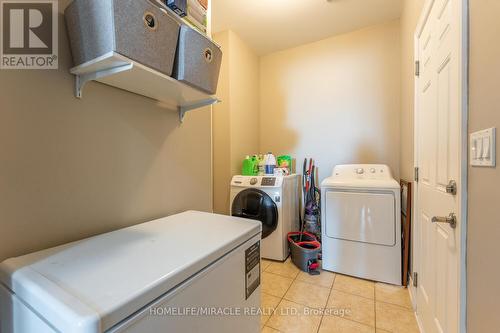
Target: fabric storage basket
{"type": "Point", "coordinates": [198, 60]}
{"type": "Point", "coordinates": [137, 29]}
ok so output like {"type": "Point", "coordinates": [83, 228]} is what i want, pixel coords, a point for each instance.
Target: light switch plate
{"type": "Point", "coordinates": [483, 148]}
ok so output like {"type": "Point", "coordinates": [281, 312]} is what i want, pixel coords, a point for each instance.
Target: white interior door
{"type": "Point", "coordinates": [438, 149]}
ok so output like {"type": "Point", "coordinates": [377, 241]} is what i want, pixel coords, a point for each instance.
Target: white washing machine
{"type": "Point", "coordinates": [272, 200]}
{"type": "Point", "coordinates": [361, 229]}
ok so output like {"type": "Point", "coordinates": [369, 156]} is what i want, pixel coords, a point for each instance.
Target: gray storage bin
{"type": "Point", "coordinates": [198, 60]}
{"type": "Point", "coordinates": [136, 29]}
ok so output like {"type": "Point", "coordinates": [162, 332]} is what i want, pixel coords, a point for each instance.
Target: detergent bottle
{"type": "Point", "coordinates": [256, 161]}
{"type": "Point", "coordinates": [285, 163]}
{"type": "Point", "coordinates": [270, 163]}
{"type": "Point", "coordinates": [248, 167]}
{"type": "Point", "coordinates": [261, 166]}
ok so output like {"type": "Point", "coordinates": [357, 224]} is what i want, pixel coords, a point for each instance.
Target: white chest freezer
{"type": "Point", "coordinates": [189, 272]}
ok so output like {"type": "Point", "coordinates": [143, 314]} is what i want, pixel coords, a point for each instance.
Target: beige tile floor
{"type": "Point", "coordinates": [296, 302]}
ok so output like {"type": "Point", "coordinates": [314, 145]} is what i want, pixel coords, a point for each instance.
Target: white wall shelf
{"type": "Point", "coordinates": [118, 71]}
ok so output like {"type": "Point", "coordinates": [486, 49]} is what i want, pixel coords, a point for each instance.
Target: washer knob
{"type": "Point", "coordinates": [253, 181]}
{"type": "Point", "coordinates": [360, 171]}
{"type": "Point", "coordinates": [372, 170]}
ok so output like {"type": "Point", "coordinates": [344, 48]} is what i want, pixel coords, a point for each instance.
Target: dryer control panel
{"type": "Point", "coordinates": [362, 171]}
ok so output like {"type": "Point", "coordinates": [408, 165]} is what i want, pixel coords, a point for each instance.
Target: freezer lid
{"type": "Point", "coordinates": [93, 284]}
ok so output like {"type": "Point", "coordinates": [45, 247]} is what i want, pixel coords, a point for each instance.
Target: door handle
{"type": "Point", "coordinates": [451, 188]}
{"type": "Point", "coordinates": [450, 219]}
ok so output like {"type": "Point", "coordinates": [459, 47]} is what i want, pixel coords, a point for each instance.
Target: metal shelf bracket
{"type": "Point", "coordinates": [184, 109]}
{"type": "Point", "coordinates": [82, 79]}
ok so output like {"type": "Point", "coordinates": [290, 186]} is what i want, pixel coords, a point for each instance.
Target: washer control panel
{"type": "Point", "coordinates": [268, 181]}
{"type": "Point", "coordinates": [257, 181]}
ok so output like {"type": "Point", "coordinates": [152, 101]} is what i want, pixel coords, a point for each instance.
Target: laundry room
{"type": "Point", "coordinates": [251, 166]}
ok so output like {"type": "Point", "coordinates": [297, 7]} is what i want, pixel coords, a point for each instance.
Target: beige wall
{"type": "Point", "coordinates": [337, 100]}
{"type": "Point", "coordinates": [222, 132]}
{"type": "Point", "coordinates": [244, 88]}
{"type": "Point", "coordinates": [73, 168]}
{"type": "Point", "coordinates": [483, 236]}
{"type": "Point", "coordinates": [236, 118]}
{"type": "Point", "coordinates": [409, 17]}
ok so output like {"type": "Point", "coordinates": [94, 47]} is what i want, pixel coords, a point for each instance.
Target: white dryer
{"type": "Point", "coordinates": [361, 230]}
{"type": "Point", "coordinates": [272, 200]}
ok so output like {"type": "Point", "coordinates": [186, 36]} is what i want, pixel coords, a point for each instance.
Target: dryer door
{"type": "Point", "coordinates": [368, 217]}
{"type": "Point", "coordinates": [256, 205]}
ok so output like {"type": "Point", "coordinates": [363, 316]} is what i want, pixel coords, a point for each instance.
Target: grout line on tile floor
{"type": "Point", "coordinates": [281, 276]}
{"type": "Point", "coordinates": [274, 329]}
{"type": "Point", "coordinates": [290, 286]}
{"type": "Point", "coordinates": [350, 293]}
{"type": "Point", "coordinates": [324, 308]}
{"type": "Point", "coordinates": [329, 295]}
{"type": "Point", "coordinates": [281, 298]}
{"type": "Point", "coordinates": [398, 305]}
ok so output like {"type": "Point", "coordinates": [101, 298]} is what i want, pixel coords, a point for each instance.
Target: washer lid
{"type": "Point", "coordinates": [361, 176]}
{"type": "Point", "coordinates": [93, 284]}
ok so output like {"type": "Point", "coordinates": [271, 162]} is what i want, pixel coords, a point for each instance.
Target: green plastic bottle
{"type": "Point", "coordinates": [256, 161]}
{"type": "Point", "coordinates": [248, 166]}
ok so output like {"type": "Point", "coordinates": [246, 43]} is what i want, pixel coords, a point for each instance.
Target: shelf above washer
{"type": "Point", "coordinates": [118, 71]}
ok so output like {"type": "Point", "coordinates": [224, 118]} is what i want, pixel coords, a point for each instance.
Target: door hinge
{"type": "Point", "coordinates": [416, 174]}
{"type": "Point", "coordinates": [415, 279]}
{"type": "Point", "coordinates": [417, 68]}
